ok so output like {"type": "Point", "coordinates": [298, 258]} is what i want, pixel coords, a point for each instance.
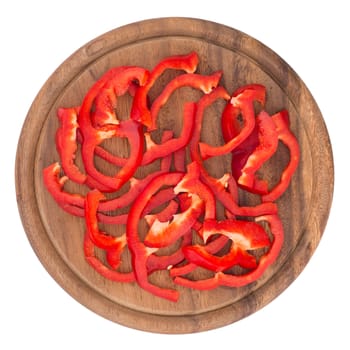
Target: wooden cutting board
{"type": "Point", "coordinates": [56, 237]}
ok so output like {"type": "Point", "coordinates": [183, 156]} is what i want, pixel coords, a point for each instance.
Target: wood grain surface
{"type": "Point", "coordinates": [57, 237]}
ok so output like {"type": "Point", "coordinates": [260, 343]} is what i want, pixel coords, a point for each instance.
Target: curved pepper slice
{"type": "Point", "coordinates": [285, 135]}
{"type": "Point", "coordinates": [54, 184]}
{"type": "Point", "coordinates": [66, 143]}
{"type": "Point", "coordinates": [122, 78]}
{"type": "Point", "coordinates": [137, 185]}
{"type": "Point", "coordinates": [267, 146]}
{"type": "Point", "coordinates": [139, 110]}
{"type": "Point", "coordinates": [127, 129]}
{"type": "Point", "coordinates": [139, 251]}
{"type": "Point", "coordinates": [113, 255]}
{"type": "Point", "coordinates": [221, 278]}
{"type": "Point", "coordinates": [165, 233]}
{"type": "Point", "coordinates": [113, 275]}
{"type": "Point", "coordinates": [241, 103]}
{"type": "Point", "coordinates": [166, 262]}
{"type": "Point", "coordinates": [245, 235]}
{"type": "Point", "coordinates": [119, 80]}
{"type": "Point", "coordinates": [156, 151]}
{"type": "Point", "coordinates": [99, 238]}
{"type": "Point", "coordinates": [205, 83]}
{"type": "Point", "coordinates": [215, 186]}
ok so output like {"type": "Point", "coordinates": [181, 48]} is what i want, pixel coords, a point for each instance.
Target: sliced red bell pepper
{"type": "Point", "coordinates": [162, 234]}
{"type": "Point", "coordinates": [180, 160]}
{"type": "Point", "coordinates": [66, 143]}
{"type": "Point", "coordinates": [268, 143]}
{"type": "Point", "coordinates": [140, 110]}
{"type": "Point", "coordinates": [120, 78]}
{"type": "Point", "coordinates": [215, 186]}
{"type": "Point", "coordinates": [99, 238]}
{"type": "Point", "coordinates": [186, 208]}
{"type": "Point", "coordinates": [192, 184]}
{"type": "Point", "coordinates": [166, 262]}
{"type": "Point", "coordinates": [111, 274]}
{"type": "Point", "coordinates": [139, 251]}
{"type": "Point", "coordinates": [163, 216]}
{"type": "Point", "coordinates": [266, 260]}
{"type": "Point", "coordinates": [127, 129]}
{"type": "Point", "coordinates": [241, 104]}
{"type": "Point", "coordinates": [221, 278]}
{"type": "Point", "coordinates": [115, 82]}
{"type": "Point", "coordinates": [245, 236]}
{"type": "Point", "coordinates": [137, 185]}
{"type": "Point", "coordinates": [54, 184]}
{"type": "Point", "coordinates": [286, 136]}
{"type": "Point", "coordinates": [156, 151]}
{"type": "Point", "coordinates": [113, 255]}
{"type": "Point", "coordinates": [211, 247]}
{"type": "Point", "coordinates": [205, 83]}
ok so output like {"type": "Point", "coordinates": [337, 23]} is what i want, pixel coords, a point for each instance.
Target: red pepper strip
{"type": "Point", "coordinates": [215, 186]}
{"type": "Point", "coordinates": [139, 110]}
{"type": "Point", "coordinates": [205, 83]}
{"type": "Point", "coordinates": [222, 279]}
{"type": "Point", "coordinates": [245, 235]}
{"type": "Point", "coordinates": [242, 102]}
{"type": "Point", "coordinates": [89, 251]}
{"type": "Point", "coordinates": [121, 161]}
{"type": "Point", "coordinates": [232, 187]}
{"type": "Point", "coordinates": [185, 202]}
{"type": "Point", "coordinates": [241, 153]}
{"type": "Point", "coordinates": [231, 125]}
{"type": "Point", "coordinates": [54, 184]}
{"type": "Point", "coordinates": [281, 121]}
{"type": "Point", "coordinates": [162, 262]}
{"type": "Point", "coordinates": [137, 185]}
{"type": "Point", "coordinates": [191, 184]}
{"type": "Point", "coordinates": [93, 137]}
{"type": "Point", "coordinates": [139, 252]}
{"type": "Point", "coordinates": [268, 143]}
{"type": "Point", "coordinates": [198, 255]}
{"type": "Point", "coordinates": [180, 160]}
{"type": "Point", "coordinates": [155, 151]}
{"type": "Point", "coordinates": [162, 234]}
{"type": "Point", "coordinates": [66, 143]}
{"type": "Point", "coordinates": [161, 197]}
{"type": "Point", "coordinates": [211, 247]}
{"type": "Point", "coordinates": [105, 102]}
{"type": "Point", "coordinates": [231, 205]}
{"type": "Point", "coordinates": [67, 136]}
{"type": "Point", "coordinates": [105, 105]}
{"type": "Point", "coordinates": [99, 238]}
{"type": "Point", "coordinates": [276, 228]}
{"type": "Point", "coordinates": [72, 203]}
{"type": "Point", "coordinates": [163, 216]}
{"type": "Point", "coordinates": [119, 78]}
{"type": "Point", "coordinates": [104, 154]}
{"type": "Point", "coordinates": [113, 254]}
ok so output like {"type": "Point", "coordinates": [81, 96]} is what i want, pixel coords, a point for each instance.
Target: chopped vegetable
{"type": "Point", "coordinates": [170, 219]}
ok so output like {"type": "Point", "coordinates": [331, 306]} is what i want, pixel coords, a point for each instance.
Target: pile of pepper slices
{"type": "Point", "coordinates": [179, 200]}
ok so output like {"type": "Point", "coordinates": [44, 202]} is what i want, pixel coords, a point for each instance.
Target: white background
{"type": "Point", "coordinates": [312, 36]}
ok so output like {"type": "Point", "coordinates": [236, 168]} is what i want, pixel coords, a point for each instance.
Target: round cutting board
{"type": "Point", "coordinates": [57, 237]}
